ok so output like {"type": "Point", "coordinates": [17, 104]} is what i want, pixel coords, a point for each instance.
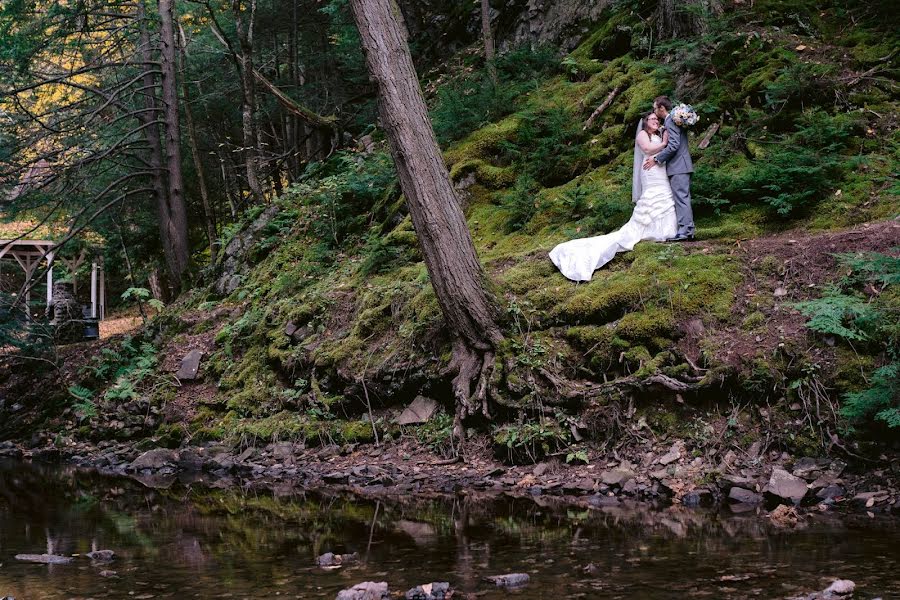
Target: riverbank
{"type": "Point", "coordinates": [775, 485]}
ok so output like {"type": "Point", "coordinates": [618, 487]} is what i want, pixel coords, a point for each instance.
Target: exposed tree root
{"type": "Point", "coordinates": [470, 366]}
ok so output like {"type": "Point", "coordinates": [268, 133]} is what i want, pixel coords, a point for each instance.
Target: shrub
{"type": "Point", "coordinates": [549, 146]}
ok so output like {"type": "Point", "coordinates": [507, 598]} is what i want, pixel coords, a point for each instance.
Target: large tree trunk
{"type": "Point", "coordinates": [436, 213]}
{"type": "Point", "coordinates": [177, 254]}
{"type": "Point", "coordinates": [488, 36]}
{"type": "Point", "coordinates": [209, 220]}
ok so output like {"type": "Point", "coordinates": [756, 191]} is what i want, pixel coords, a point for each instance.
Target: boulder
{"type": "Point", "coordinates": [154, 459]}
{"type": "Point", "coordinates": [783, 486]}
{"type": "Point", "coordinates": [437, 590]}
{"type": "Point", "coordinates": [335, 560]}
{"type": "Point", "coordinates": [367, 590]}
{"type": "Point", "coordinates": [419, 411]}
{"type": "Point", "coordinates": [616, 476]}
{"type": "Point", "coordinates": [510, 580]}
{"type": "Point", "coordinates": [810, 468]}
{"type": "Point", "coordinates": [743, 496]}
{"type": "Point", "coordinates": [830, 492]}
{"type": "Point", "coordinates": [45, 559]}
{"type": "Point", "coordinates": [190, 366]}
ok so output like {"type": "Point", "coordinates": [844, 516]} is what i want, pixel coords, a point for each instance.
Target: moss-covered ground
{"type": "Point", "coordinates": [335, 319]}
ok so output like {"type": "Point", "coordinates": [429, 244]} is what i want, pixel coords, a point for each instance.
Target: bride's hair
{"type": "Point", "coordinates": [647, 122]}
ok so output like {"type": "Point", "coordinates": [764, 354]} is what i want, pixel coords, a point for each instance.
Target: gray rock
{"type": "Point", "coordinates": [671, 456]}
{"type": "Point", "coordinates": [336, 477]}
{"type": "Point", "coordinates": [154, 459]}
{"type": "Point", "coordinates": [437, 590]}
{"type": "Point", "coordinates": [45, 559]}
{"type": "Point", "coordinates": [616, 476]}
{"type": "Point", "coordinates": [540, 469]}
{"type": "Point", "coordinates": [419, 411]}
{"type": "Point", "coordinates": [101, 555]}
{"type": "Point", "coordinates": [289, 329]}
{"type": "Point", "coordinates": [810, 468]}
{"type": "Point", "coordinates": [744, 496]}
{"type": "Point", "coordinates": [841, 587]}
{"type": "Point", "coordinates": [784, 486]}
{"type": "Point", "coordinates": [510, 580]}
{"type": "Point", "coordinates": [190, 366]}
{"type": "Point", "coordinates": [336, 560]}
{"type": "Point", "coordinates": [367, 590]}
{"type": "Point", "coordinates": [830, 492]}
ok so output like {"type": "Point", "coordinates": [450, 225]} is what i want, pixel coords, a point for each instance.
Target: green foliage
{"type": "Point", "coordinates": [140, 295]}
{"type": "Point", "coordinates": [549, 146]}
{"type": "Point", "coordinates": [789, 175]}
{"type": "Point", "coordinates": [845, 313]}
{"type": "Point", "coordinates": [470, 101]}
{"type": "Point", "coordinates": [130, 368]}
{"type": "Point", "coordinates": [520, 203]}
{"type": "Point", "coordinates": [531, 441]}
{"type": "Point", "coordinates": [880, 401]}
{"type": "Point", "coordinates": [84, 401]}
{"type": "Point", "coordinates": [837, 313]}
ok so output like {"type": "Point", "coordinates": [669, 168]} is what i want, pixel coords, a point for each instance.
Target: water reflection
{"type": "Point", "coordinates": [183, 541]}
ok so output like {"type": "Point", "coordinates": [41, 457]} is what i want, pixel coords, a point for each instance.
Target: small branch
{"type": "Point", "coordinates": [609, 100]}
{"type": "Point", "coordinates": [708, 135]}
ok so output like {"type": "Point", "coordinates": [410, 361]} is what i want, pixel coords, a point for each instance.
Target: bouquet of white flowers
{"type": "Point", "coordinates": [684, 115]}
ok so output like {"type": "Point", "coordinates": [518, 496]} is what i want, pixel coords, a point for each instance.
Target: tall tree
{"type": "Point", "coordinates": [488, 36]}
{"type": "Point", "coordinates": [178, 252]}
{"type": "Point", "coordinates": [456, 274]}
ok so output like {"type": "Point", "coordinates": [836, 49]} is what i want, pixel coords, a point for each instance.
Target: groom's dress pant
{"type": "Point", "coordinates": [681, 190]}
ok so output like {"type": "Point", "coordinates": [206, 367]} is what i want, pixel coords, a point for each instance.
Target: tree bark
{"type": "Point", "coordinates": [248, 95]}
{"type": "Point", "coordinates": [678, 19]}
{"type": "Point", "coordinates": [177, 254]}
{"type": "Point", "coordinates": [488, 36]}
{"type": "Point", "coordinates": [208, 216]}
{"type": "Point", "coordinates": [436, 212]}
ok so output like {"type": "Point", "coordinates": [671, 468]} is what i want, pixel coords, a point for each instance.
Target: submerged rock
{"type": "Point", "coordinates": [510, 580]}
{"type": "Point", "coordinates": [335, 560]}
{"type": "Point", "coordinates": [437, 590]}
{"type": "Point", "coordinates": [840, 589]}
{"type": "Point", "coordinates": [367, 590]}
{"type": "Point", "coordinates": [101, 555]}
{"type": "Point", "coordinates": [45, 559]}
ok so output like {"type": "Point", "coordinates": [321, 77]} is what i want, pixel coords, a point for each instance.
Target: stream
{"type": "Point", "coordinates": [184, 541]}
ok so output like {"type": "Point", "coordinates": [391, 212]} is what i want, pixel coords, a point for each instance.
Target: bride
{"type": "Point", "coordinates": [653, 217]}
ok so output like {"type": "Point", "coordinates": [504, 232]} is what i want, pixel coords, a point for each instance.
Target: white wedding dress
{"type": "Point", "coordinates": [653, 219]}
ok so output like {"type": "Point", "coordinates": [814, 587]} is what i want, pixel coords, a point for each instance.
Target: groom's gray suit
{"type": "Point", "coordinates": [677, 158]}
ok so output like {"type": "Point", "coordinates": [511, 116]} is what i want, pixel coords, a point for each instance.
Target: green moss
{"type": "Point", "coordinates": [490, 176]}
{"type": "Point", "coordinates": [484, 143]}
{"type": "Point", "coordinates": [753, 320]}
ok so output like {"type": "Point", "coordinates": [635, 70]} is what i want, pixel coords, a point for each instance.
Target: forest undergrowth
{"type": "Point", "coordinates": [780, 321]}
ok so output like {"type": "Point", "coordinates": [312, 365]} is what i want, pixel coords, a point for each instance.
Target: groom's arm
{"type": "Point", "coordinates": [674, 143]}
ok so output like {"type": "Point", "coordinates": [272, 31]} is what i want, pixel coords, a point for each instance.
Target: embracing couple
{"type": "Point", "coordinates": [661, 191]}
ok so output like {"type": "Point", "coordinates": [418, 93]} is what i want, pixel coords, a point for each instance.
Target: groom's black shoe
{"type": "Point", "coordinates": [683, 238]}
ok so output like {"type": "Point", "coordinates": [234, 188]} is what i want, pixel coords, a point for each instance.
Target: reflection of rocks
{"type": "Point", "coordinates": [423, 534]}
{"type": "Point", "coordinates": [367, 590]}
{"type": "Point", "coordinates": [510, 580]}
{"type": "Point", "coordinates": [45, 559]}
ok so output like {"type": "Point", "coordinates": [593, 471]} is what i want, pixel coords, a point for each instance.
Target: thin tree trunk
{"type": "Point", "coordinates": [209, 221]}
{"type": "Point", "coordinates": [178, 253]}
{"type": "Point", "coordinates": [488, 36]}
{"type": "Point", "coordinates": [456, 274]}
{"type": "Point", "coordinates": [248, 94]}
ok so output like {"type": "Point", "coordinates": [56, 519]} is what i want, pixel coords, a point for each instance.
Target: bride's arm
{"type": "Point", "coordinates": [647, 146]}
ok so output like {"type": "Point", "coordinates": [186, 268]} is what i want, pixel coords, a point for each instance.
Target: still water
{"type": "Point", "coordinates": [184, 541]}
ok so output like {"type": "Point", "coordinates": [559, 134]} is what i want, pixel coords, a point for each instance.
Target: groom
{"type": "Point", "coordinates": [677, 158]}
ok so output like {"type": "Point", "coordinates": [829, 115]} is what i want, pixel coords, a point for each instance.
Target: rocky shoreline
{"type": "Point", "coordinates": [775, 485]}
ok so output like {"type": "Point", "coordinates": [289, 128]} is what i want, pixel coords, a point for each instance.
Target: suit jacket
{"type": "Point", "coordinates": [676, 155]}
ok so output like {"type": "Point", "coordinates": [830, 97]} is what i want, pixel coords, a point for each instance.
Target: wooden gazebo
{"type": "Point", "coordinates": [31, 253]}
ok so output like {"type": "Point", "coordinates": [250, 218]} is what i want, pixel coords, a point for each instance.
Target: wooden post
{"type": "Point", "coordinates": [94, 289]}
{"type": "Point", "coordinates": [102, 290]}
{"type": "Point", "coordinates": [49, 278]}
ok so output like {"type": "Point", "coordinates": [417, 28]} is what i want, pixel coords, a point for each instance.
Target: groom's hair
{"type": "Point", "coordinates": [664, 102]}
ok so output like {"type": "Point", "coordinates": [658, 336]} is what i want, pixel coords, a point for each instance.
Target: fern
{"type": "Point", "coordinates": [881, 400]}
{"type": "Point", "coordinates": [837, 313]}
